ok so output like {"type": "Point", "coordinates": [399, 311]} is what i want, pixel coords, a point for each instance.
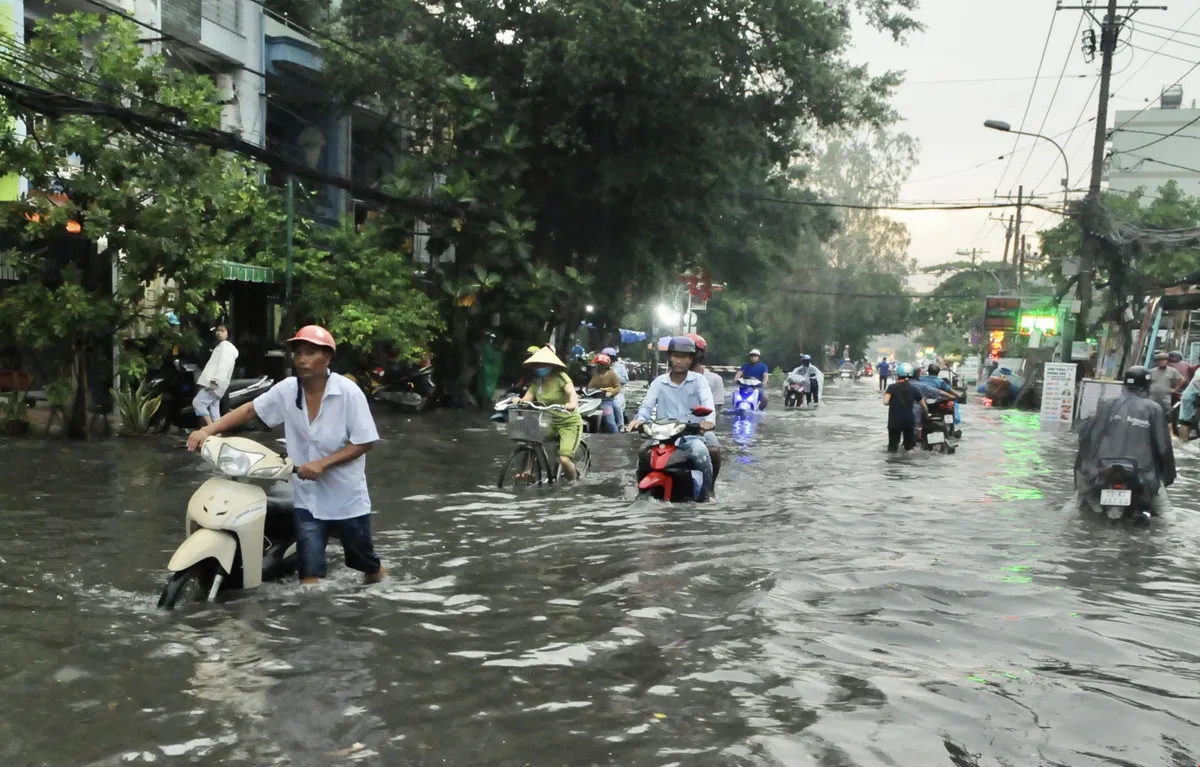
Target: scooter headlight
{"type": "Point", "coordinates": [236, 463]}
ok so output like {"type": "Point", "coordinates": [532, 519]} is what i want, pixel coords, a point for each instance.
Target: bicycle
{"type": "Point", "coordinates": [529, 426]}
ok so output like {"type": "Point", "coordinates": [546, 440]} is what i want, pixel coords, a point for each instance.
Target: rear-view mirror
{"type": "Point", "coordinates": [702, 411]}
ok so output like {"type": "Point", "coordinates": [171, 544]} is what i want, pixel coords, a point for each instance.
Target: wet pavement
{"type": "Point", "coordinates": [838, 607]}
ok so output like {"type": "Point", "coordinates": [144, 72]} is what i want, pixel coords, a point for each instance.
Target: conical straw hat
{"type": "Point", "coordinates": [544, 356]}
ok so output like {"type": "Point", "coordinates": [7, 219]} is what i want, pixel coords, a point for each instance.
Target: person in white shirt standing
{"type": "Point", "coordinates": [214, 379]}
{"type": "Point", "coordinates": [329, 429]}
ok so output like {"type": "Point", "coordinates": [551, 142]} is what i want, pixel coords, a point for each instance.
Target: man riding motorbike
{"type": "Point", "coordinates": [755, 368]}
{"type": "Point", "coordinates": [622, 372]}
{"type": "Point", "coordinates": [672, 397]}
{"type": "Point", "coordinates": [717, 385]}
{"type": "Point", "coordinates": [1132, 427]}
{"type": "Point", "coordinates": [811, 373]}
{"type": "Point", "coordinates": [934, 380]}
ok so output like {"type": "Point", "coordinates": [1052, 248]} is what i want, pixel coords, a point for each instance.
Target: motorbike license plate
{"type": "Point", "coordinates": [936, 438]}
{"type": "Point", "coordinates": [1116, 497]}
{"type": "Point", "coordinates": [949, 419]}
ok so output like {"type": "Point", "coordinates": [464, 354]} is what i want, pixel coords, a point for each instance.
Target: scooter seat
{"type": "Point", "coordinates": [238, 384]}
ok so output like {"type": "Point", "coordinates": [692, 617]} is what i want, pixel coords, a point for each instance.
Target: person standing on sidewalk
{"type": "Point", "coordinates": [329, 430]}
{"type": "Point", "coordinates": [215, 377]}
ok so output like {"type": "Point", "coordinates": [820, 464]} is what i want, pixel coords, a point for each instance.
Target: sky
{"type": "Point", "coordinates": [991, 50]}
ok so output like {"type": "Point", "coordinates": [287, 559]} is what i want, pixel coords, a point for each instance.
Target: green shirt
{"type": "Point", "coordinates": [552, 390]}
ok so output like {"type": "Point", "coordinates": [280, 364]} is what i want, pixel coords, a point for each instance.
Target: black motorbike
{"type": "Point", "coordinates": [407, 388]}
{"type": "Point", "coordinates": [1117, 492]}
{"type": "Point", "coordinates": [176, 383]}
{"type": "Point", "coordinates": [937, 428]}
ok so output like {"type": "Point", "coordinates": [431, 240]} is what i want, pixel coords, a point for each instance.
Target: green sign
{"type": "Point", "coordinates": [1002, 313]}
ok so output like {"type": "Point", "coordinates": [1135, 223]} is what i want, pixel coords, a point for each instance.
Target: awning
{"type": "Point", "coordinates": [246, 272]}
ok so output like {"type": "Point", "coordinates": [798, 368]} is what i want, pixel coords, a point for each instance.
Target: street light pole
{"type": "Point", "coordinates": [1004, 127]}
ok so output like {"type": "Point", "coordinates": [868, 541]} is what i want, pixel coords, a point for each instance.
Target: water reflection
{"type": "Point", "coordinates": [839, 606]}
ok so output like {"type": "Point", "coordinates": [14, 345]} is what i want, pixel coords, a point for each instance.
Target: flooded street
{"type": "Point", "coordinates": [838, 607]}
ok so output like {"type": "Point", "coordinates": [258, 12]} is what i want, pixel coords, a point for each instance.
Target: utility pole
{"type": "Point", "coordinates": [1110, 33]}
{"type": "Point", "coordinates": [1021, 266]}
{"type": "Point", "coordinates": [1017, 237]}
{"type": "Point", "coordinates": [1008, 233]}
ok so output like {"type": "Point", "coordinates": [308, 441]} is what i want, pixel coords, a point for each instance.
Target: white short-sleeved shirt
{"type": "Point", "coordinates": [344, 417]}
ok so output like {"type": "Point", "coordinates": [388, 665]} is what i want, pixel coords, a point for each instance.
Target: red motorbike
{"type": "Point", "coordinates": [665, 472]}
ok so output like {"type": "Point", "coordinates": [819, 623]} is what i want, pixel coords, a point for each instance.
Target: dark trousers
{"type": "Point", "coordinates": [908, 433]}
{"type": "Point", "coordinates": [883, 382]}
{"type": "Point", "coordinates": [814, 392]}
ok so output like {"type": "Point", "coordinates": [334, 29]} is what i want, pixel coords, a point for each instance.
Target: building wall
{"type": "Point", "coordinates": [1176, 158]}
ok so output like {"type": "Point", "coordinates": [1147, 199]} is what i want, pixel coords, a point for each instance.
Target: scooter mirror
{"type": "Point", "coordinates": [701, 411]}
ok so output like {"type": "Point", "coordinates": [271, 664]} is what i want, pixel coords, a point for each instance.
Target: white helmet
{"type": "Point", "coordinates": [754, 353]}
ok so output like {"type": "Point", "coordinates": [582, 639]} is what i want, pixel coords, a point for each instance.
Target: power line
{"type": "Point", "coordinates": [1158, 52]}
{"type": "Point", "coordinates": [42, 101]}
{"type": "Point", "coordinates": [1054, 96]}
{"type": "Point", "coordinates": [992, 80]}
{"type": "Point", "coordinates": [1078, 122]}
{"type": "Point", "coordinates": [1164, 55]}
{"type": "Point", "coordinates": [1173, 31]}
{"type": "Point", "coordinates": [1032, 91]}
{"type": "Point", "coordinates": [1162, 138]}
{"type": "Point", "coordinates": [900, 208]}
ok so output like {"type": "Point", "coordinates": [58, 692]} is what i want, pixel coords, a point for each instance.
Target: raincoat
{"type": "Point", "coordinates": [1131, 427]}
{"type": "Point", "coordinates": [1188, 401]}
{"type": "Point", "coordinates": [219, 370]}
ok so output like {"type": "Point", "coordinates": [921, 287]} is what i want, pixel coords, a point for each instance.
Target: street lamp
{"type": "Point", "coordinates": [1004, 127]}
{"type": "Point", "coordinates": [589, 308]}
{"type": "Point", "coordinates": [667, 316]}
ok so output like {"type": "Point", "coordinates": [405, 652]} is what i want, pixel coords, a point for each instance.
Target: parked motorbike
{"type": "Point", "coordinates": [409, 389]}
{"type": "Point", "coordinates": [664, 471]}
{"type": "Point", "coordinates": [239, 533]}
{"type": "Point", "coordinates": [937, 428]}
{"type": "Point", "coordinates": [747, 397]}
{"type": "Point", "coordinates": [793, 394]}
{"type": "Point", "coordinates": [177, 386]}
{"type": "Point", "coordinates": [1117, 492]}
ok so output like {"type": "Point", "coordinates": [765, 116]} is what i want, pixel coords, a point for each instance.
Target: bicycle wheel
{"type": "Point", "coordinates": [524, 460]}
{"type": "Point", "coordinates": [583, 459]}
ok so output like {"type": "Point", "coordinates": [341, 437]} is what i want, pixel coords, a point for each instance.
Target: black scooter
{"type": "Point", "coordinates": [176, 383]}
{"type": "Point", "coordinates": [408, 389]}
{"type": "Point", "coordinates": [1117, 493]}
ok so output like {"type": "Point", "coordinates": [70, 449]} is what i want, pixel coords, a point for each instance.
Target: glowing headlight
{"type": "Point", "coordinates": [236, 463]}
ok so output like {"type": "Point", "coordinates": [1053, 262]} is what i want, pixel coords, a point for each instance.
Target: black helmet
{"type": "Point", "coordinates": [934, 369]}
{"type": "Point", "coordinates": [681, 345]}
{"type": "Point", "coordinates": [1137, 377]}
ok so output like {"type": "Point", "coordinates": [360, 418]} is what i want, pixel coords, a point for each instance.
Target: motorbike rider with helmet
{"type": "Point", "coordinates": [607, 381]}
{"type": "Point", "coordinates": [622, 372]}
{"type": "Point", "coordinates": [672, 397]}
{"type": "Point", "coordinates": [755, 368]}
{"type": "Point", "coordinates": [806, 371]}
{"type": "Point", "coordinates": [1131, 427]}
{"type": "Point", "coordinates": [906, 405]}
{"type": "Point", "coordinates": [933, 379]}
{"type": "Point", "coordinates": [717, 385]}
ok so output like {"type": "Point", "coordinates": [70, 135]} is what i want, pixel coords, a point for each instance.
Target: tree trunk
{"type": "Point", "coordinates": [77, 419]}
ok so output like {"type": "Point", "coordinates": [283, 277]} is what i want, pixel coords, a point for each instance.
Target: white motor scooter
{"type": "Point", "coordinates": [240, 532]}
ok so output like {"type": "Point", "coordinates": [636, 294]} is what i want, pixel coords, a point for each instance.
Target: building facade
{"type": "Point", "coordinates": [1157, 145]}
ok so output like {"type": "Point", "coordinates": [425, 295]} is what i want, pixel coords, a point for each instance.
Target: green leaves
{"type": "Point", "coordinates": [136, 408]}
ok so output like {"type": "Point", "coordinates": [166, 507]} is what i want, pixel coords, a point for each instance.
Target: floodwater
{"type": "Point", "coordinates": [838, 607]}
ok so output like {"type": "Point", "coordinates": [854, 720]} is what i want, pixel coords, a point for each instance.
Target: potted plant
{"type": "Point", "coordinates": [14, 410]}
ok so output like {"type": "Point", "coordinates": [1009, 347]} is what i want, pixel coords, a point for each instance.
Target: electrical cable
{"type": "Point", "coordinates": [1053, 96]}
{"type": "Point", "coordinates": [1032, 91]}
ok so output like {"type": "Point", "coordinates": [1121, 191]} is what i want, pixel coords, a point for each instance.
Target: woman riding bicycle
{"type": "Point", "coordinates": [552, 386]}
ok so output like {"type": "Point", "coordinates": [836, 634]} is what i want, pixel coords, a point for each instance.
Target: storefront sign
{"type": "Point", "coordinates": [1058, 394]}
{"type": "Point", "coordinates": [1002, 313]}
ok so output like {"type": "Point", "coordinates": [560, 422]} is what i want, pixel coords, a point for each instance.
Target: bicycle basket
{"type": "Point", "coordinates": [528, 425]}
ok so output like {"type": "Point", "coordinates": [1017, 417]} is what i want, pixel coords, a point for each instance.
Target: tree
{"type": "Point", "coordinates": [1134, 259]}
{"type": "Point", "coordinates": [953, 312]}
{"type": "Point", "coordinates": [623, 140]}
{"type": "Point", "coordinates": [105, 197]}
{"type": "Point", "coordinates": [350, 283]}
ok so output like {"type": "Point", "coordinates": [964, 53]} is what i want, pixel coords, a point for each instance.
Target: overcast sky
{"type": "Point", "coordinates": [995, 46]}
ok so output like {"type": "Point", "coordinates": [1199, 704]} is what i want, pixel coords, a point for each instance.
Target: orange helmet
{"type": "Point", "coordinates": [701, 344]}
{"type": "Point", "coordinates": [603, 359]}
{"type": "Point", "coordinates": [315, 335]}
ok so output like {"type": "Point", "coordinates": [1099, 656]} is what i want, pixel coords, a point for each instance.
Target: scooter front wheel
{"type": "Point", "coordinates": [189, 585]}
